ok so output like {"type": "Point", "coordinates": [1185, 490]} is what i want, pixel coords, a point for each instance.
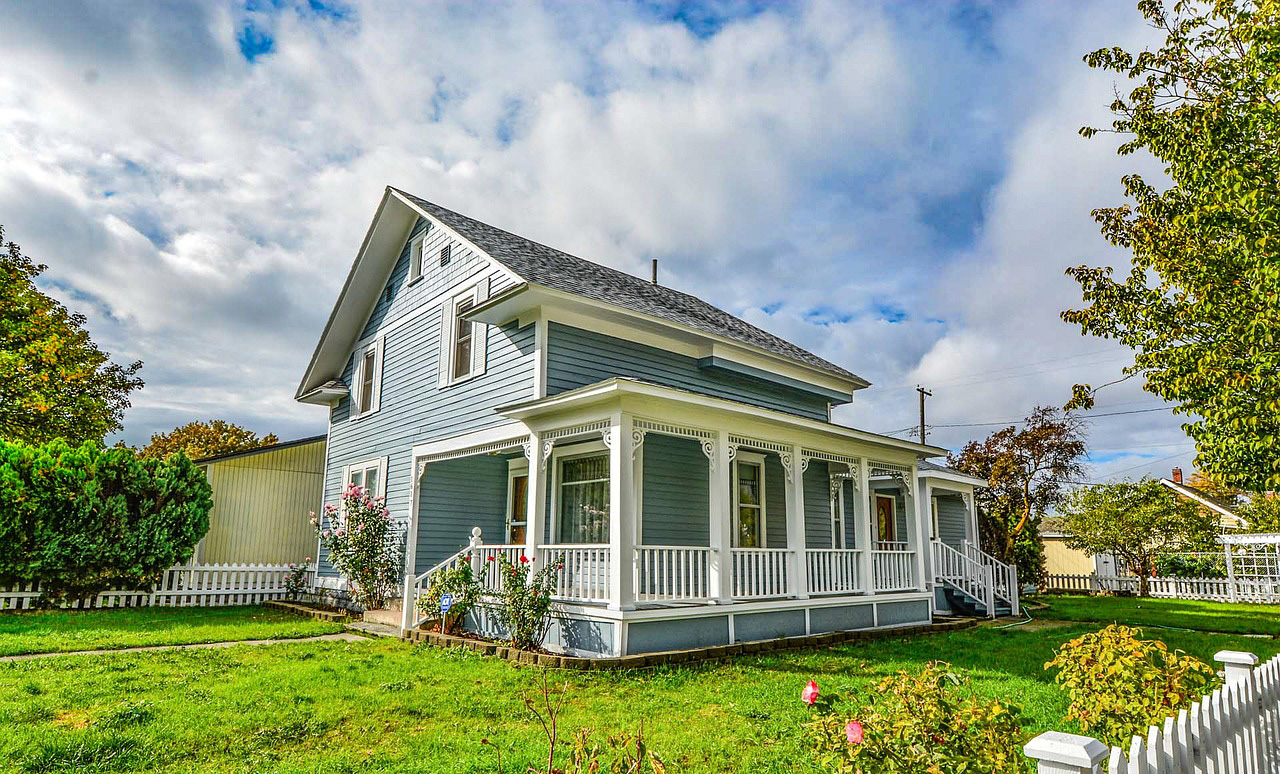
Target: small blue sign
{"type": "Point", "coordinates": [446, 602]}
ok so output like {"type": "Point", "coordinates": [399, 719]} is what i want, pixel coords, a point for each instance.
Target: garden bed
{"type": "Point", "coordinates": [312, 610]}
{"type": "Point", "coordinates": [673, 657]}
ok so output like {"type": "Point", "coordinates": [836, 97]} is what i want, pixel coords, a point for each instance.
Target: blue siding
{"type": "Point", "coordinates": [817, 506]}
{"type": "Point", "coordinates": [413, 407]}
{"type": "Point", "coordinates": [576, 358]}
{"type": "Point", "coordinates": [775, 502]}
{"type": "Point", "coordinates": [457, 495]}
{"type": "Point", "coordinates": [675, 500]}
{"type": "Point", "coordinates": [951, 519]}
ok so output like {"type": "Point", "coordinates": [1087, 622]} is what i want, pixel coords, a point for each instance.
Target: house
{"type": "Point", "coordinates": [1226, 515]}
{"type": "Point", "coordinates": [262, 499]}
{"type": "Point", "coordinates": [680, 463]}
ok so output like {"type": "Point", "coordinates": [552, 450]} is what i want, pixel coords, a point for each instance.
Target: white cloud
{"type": "Point", "coordinates": [900, 187]}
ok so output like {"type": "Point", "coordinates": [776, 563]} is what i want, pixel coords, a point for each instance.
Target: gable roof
{"type": "Point", "coordinates": [539, 264]}
{"type": "Point", "coordinates": [1202, 497]}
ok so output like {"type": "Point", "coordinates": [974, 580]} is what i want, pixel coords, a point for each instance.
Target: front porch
{"type": "Point", "coordinates": [662, 506]}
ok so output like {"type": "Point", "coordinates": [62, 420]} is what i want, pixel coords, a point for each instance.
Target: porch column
{"type": "Point", "coordinates": [536, 511]}
{"type": "Point", "coordinates": [622, 506]}
{"type": "Point", "coordinates": [915, 530]}
{"type": "Point", "coordinates": [862, 515]}
{"type": "Point", "coordinates": [797, 568]}
{"type": "Point", "coordinates": [970, 517]}
{"type": "Point", "coordinates": [926, 527]}
{"type": "Point", "coordinates": [720, 568]}
{"type": "Point", "coordinates": [407, 611]}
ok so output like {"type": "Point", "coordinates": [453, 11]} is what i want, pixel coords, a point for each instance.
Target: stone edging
{"type": "Point", "coordinates": [714, 653]}
{"type": "Point", "coordinates": [320, 615]}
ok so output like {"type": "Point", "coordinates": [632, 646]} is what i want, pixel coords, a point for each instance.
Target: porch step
{"type": "Point", "coordinates": [385, 616]}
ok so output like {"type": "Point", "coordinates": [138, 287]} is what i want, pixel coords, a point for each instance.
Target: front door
{"type": "Point", "coordinates": [886, 520]}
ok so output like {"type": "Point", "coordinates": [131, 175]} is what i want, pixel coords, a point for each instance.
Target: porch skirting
{"type": "Point", "coordinates": [580, 630]}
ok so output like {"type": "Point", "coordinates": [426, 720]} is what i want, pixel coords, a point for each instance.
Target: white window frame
{"type": "Point", "coordinates": [749, 458]}
{"type": "Point", "coordinates": [515, 468]}
{"type": "Point", "coordinates": [838, 527]}
{"type": "Point", "coordinates": [477, 293]}
{"type": "Point", "coordinates": [358, 381]}
{"type": "Point", "coordinates": [418, 257]}
{"type": "Point", "coordinates": [558, 455]}
{"type": "Point", "coordinates": [379, 463]}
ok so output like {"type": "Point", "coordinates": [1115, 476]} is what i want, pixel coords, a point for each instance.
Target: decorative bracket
{"type": "Point", "coordinates": [786, 465]}
{"type": "Point", "coordinates": [733, 451]}
{"type": "Point", "coordinates": [637, 441]}
{"type": "Point", "coordinates": [419, 467]}
{"type": "Point", "coordinates": [968, 500]}
{"type": "Point", "coordinates": [709, 449]}
{"type": "Point", "coordinates": [547, 446]}
{"type": "Point", "coordinates": [904, 481]}
{"type": "Point", "coordinates": [606, 435]}
{"type": "Point", "coordinates": [528, 447]}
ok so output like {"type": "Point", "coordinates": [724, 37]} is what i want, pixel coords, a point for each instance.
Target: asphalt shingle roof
{"type": "Point", "coordinates": [541, 265]}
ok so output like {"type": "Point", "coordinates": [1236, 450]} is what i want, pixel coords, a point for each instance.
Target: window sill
{"type": "Point", "coordinates": [416, 280]}
{"type": "Point", "coordinates": [358, 417]}
{"type": "Point", "coordinates": [461, 380]}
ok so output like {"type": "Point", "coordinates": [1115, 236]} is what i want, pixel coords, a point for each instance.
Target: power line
{"type": "Point", "coordinates": [1112, 355]}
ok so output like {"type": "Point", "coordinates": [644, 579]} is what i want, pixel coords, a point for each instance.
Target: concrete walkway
{"type": "Point", "coordinates": [340, 637]}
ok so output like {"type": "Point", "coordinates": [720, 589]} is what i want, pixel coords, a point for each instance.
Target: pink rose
{"type": "Point", "coordinates": [853, 732]}
{"type": "Point", "coordinates": [810, 693]}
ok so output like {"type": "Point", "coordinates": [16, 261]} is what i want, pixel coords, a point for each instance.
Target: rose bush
{"type": "Point", "coordinates": [524, 604]}
{"type": "Point", "coordinates": [298, 579]}
{"type": "Point", "coordinates": [364, 544]}
{"type": "Point", "coordinates": [919, 723]}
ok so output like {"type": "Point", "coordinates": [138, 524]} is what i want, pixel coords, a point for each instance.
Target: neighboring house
{"type": "Point", "coordinates": [681, 462]}
{"type": "Point", "coordinates": [1228, 519]}
{"type": "Point", "coordinates": [1062, 559]}
{"type": "Point", "coordinates": [262, 499]}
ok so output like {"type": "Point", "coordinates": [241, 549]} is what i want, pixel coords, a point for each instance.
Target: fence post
{"type": "Point", "coordinates": [1094, 585]}
{"type": "Point", "coordinates": [1236, 664]}
{"type": "Point", "coordinates": [1231, 574]}
{"type": "Point", "coordinates": [407, 603]}
{"type": "Point", "coordinates": [1057, 753]}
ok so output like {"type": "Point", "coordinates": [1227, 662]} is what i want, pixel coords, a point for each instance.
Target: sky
{"type": "Point", "coordinates": [897, 186]}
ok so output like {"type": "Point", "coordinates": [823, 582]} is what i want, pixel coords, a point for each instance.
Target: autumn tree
{"type": "Point", "coordinates": [1137, 522]}
{"type": "Point", "coordinates": [1027, 470]}
{"type": "Point", "coordinates": [54, 381]}
{"type": "Point", "coordinates": [1200, 304]}
{"type": "Point", "coordinates": [205, 439]}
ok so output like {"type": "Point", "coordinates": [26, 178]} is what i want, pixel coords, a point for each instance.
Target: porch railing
{"type": "Point", "coordinates": [966, 574]}
{"type": "Point", "coordinates": [584, 571]}
{"type": "Point", "coordinates": [834, 570]}
{"type": "Point", "coordinates": [760, 573]}
{"type": "Point", "coordinates": [1004, 576]}
{"type": "Point", "coordinates": [893, 570]}
{"type": "Point", "coordinates": [672, 573]}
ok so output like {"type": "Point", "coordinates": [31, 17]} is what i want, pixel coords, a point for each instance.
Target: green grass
{"type": "Point", "coordinates": [53, 631]}
{"type": "Point", "coordinates": [387, 706]}
{"type": "Point", "coordinates": [1177, 613]}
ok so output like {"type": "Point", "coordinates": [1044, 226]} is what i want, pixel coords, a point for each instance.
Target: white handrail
{"type": "Point", "coordinates": [760, 573]}
{"type": "Point", "coordinates": [672, 573]}
{"type": "Point", "coordinates": [1004, 575]}
{"type": "Point", "coordinates": [966, 574]}
{"type": "Point", "coordinates": [834, 570]}
{"type": "Point", "coordinates": [893, 570]}
{"type": "Point", "coordinates": [583, 571]}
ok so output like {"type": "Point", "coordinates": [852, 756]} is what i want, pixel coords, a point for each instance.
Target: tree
{"type": "Point", "coordinates": [198, 440]}
{"type": "Point", "coordinates": [54, 381]}
{"type": "Point", "coordinates": [1200, 306]}
{"type": "Point", "coordinates": [82, 519]}
{"type": "Point", "coordinates": [1027, 471]}
{"type": "Point", "coordinates": [1138, 522]}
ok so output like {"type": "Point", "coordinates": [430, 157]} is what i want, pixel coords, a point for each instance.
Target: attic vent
{"type": "Point", "coordinates": [446, 254]}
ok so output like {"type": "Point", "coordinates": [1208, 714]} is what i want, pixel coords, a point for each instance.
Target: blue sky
{"type": "Point", "coordinates": [897, 186]}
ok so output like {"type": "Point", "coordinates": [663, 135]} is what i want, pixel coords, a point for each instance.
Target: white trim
{"type": "Point", "coordinates": [540, 342]}
{"type": "Point", "coordinates": [571, 451]}
{"type": "Point", "coordinates": [509, 431]}
{"type": "Point", "coordinates": [459, 237]}
{"type": "Point", "coordinates": [756, 460]}
{"type": "Point", "coordinates": [838, 516]}
{"type": "Point", "coordinates": [955, 478]}
{"type": "Point", "coordinates": [933, 513]}
{"type": "Point", "coordinates": [479, 335]}
{"type": "Point", "coordinates": [364, 466]}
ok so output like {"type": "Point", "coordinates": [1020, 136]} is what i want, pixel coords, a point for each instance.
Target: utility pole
{"type": "Point", "coordinates": [923, 394]}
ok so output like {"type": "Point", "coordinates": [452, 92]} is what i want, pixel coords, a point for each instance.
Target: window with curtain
{"type": "Point", "coordinates": [750, 505]}
{"type": "Point", "coordinates": [584, 499]}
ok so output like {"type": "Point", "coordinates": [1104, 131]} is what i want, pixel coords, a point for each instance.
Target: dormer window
{"type": "Point", "coordinates": [367, 379]}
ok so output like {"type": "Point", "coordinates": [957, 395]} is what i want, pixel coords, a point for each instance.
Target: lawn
{"type": "Point", "coordinates": [52, 631]}
{"type": "Point", "coordinates": [1175, 613]}
{"type": "Point", "coordinates": [388, 706]}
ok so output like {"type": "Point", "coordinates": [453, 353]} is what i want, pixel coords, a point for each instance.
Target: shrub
{"type": "Point", "coordinates": [524, 604]}
{"type": "Point", "coordinates": [1120, 685]}
{"type": "Point", "coordinates": [79, 520]}
{"type": "Point", "coordinates": [1179, 566]}
{"type": "Point", "coordinates": [364, 544]}
{"type": "Point", "coordinates": [457, 581]}
{"type": "Point", "coordinates": [921, 723]}
{"type": "Point", "coordinates": [298, 580]}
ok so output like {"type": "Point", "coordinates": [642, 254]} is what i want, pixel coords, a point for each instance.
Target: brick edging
{"type": "Point", "coordinates": [311, 612]}
{"type": "Point", "coordinates": [692, 655]}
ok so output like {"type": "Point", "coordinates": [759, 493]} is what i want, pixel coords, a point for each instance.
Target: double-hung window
{"type": "Point", "coordinates": [418, 256]}
{"type": "Point", "coordinates": [463, 342]}
{"type": "Point", "coordinates": [367, 475]}
{"type": "Point", "coordinates": [748, 501]}
{"type": "Point", "coordinates": [582, 498]}
{"type": "Point", "coordinates": [837, 513]}
{"type": "Point", "coordinates": [367, 379]}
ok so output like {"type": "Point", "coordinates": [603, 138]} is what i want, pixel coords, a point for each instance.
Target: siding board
{"type": "Point", "coordinates": [675, 499]}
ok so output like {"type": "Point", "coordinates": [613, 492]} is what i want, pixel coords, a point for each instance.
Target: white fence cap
{"type": "Point", "coordinates": [1236, 658]}
{"type": "Point", "coordinates": [1070, 749]}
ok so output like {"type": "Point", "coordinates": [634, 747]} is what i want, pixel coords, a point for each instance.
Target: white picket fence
{"type": "Point", "coordinates": [1260, 590]}
{"type": "Point", "coordinates": [1234, 730]}
{"type": "Point", "coordinates": [210, 585]}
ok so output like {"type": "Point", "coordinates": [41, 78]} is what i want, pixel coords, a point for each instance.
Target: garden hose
{"type": "Point", "coordinates": [1017, 623]}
